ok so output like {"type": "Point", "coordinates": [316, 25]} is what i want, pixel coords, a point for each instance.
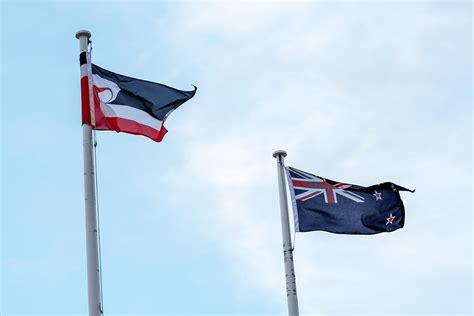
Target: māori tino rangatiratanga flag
{"type": "Point", "coordinates": [326, 205]}
{"type": "Point", "coordinates": [126, 104]}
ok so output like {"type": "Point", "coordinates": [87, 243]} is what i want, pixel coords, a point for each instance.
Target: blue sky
{"type": "Point", "coordinates": [361, 92]}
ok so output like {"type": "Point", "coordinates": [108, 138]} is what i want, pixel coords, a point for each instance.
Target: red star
{"type": "Point", "coordinates": [390, 219]}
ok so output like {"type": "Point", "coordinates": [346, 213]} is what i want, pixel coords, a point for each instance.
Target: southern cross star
{"type": "Point", "coordinates": [390, 219]}
{"type": "Point", "coordinates": [378, 195]}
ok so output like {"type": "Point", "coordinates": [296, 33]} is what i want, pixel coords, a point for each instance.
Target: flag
{"type": "Point", "coordinates": [321, 204]}
{"type": "Point", "coordinates": [125, 104]}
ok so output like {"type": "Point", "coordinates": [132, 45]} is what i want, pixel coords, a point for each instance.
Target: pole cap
{"type": "Point", "coordinates": [83, 33]}
{"type": "Point", "coordinates": [279, 153]}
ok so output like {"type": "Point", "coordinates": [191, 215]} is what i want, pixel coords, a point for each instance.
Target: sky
{"type": "Point", "coordinates": [359, 92]}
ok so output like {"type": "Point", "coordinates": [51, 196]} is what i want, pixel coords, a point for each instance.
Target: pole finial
{"type": "Point", "coordinates": [279, 153]}
{"type": "Point", "coordinates": [83, 33]}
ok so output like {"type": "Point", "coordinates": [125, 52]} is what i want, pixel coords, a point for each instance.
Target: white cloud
{"type": "Point", "coordinates": [267, 68]}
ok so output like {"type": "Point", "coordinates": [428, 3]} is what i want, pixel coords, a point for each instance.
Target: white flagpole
{"type": "Point", "coordinates": [291, 295]}
{"type": "Point", "coordinates": [93, 278]}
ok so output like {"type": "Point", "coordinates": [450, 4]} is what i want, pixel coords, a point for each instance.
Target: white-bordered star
{"type": "Point", "coordinates": [390, 219]}
{"type": "Point", "coordinates": [378, 195]}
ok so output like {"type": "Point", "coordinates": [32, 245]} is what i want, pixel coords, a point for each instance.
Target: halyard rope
{"type": "Point", "coordinates": [98, 221]}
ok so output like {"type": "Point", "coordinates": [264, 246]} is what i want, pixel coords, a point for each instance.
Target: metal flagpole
{"type": "Point", "coordinates": [291, 295]}
{"type": "Point", "coordinates": [93, 278]}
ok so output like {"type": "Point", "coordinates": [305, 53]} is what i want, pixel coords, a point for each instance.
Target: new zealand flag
{"type": "Point", "coordinates": [326, 205]}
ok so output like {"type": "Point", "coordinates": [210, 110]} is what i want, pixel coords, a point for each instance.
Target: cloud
{"type": "Point", "coordinates": [351, 91]}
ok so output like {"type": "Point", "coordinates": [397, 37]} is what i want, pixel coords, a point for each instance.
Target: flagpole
{"type": "Point", "coordinates": [93, 278]}
{"type": "Point", "coordinates": [291, 295]}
